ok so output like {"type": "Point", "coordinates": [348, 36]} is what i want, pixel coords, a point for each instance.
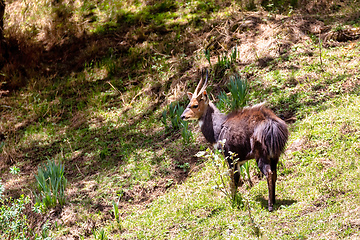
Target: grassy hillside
{"type": "Point", "coordinates": [87, 84]}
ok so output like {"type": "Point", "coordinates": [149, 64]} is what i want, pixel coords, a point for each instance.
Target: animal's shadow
{"type": "Point", "coordinates": [279, 202]}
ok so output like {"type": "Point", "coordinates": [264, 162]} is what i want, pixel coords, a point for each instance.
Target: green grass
{"type": "Point", "coordinates": [116, 148]}
{"type": "Point", "coordinates": [316, 192]}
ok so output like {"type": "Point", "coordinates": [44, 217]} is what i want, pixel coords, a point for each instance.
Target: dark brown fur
{"type": "Point", "coordinates": [252, 132]}
{"type": "Point", "coordinates": [256, 132]}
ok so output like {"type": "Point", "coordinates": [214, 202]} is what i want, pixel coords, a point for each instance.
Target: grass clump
{"type": "Point", "coordinates": [51, 184]}
{"type": "Point", "coordinates": [238, 89]}
{"type": "Point", "coordinates": [100, 234]}
{"type": "Point", "coordinates": [173, 112]}
{"type": "Point", "coordinates": [116, 211]}
{"type": "Point", "coordinates": [225, 63]}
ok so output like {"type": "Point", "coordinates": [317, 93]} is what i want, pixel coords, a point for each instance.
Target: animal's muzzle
{"type": "Point", "coordinates": [183, 115]}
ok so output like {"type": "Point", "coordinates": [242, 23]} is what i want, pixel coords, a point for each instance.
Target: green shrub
{"type": "Point", "coordinates": [51, 184]}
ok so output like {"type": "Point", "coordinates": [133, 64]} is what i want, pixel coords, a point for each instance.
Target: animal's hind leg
{"type": "Point", "coordinates": [273, 164]}
{"type": "Point", "coordinates": [265, 167]}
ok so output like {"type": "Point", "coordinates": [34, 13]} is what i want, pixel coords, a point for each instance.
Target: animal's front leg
{"type": "Point", "coordinates": [234, 175]}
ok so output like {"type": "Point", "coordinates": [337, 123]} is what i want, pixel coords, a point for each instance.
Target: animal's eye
{"type": "Point", "coordinates": [195, 106]}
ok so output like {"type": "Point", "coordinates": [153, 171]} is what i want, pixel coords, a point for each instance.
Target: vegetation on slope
{"type": "Point", "coordinates": [86, 84]}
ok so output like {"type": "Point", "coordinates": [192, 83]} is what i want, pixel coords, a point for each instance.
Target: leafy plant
{"type": "Point", "coordinates": [207, 56]}
{"type": "Point", "coordinates": [163, 118]}
{"type": "Point", "coordinates": [100, 234]}
{"type": "Point", "coordinates": [224, 62]}
{"type": "Point", "coordinates": [51, 184]}
{"type": "Point", "coordinates": [223, 102]}
{"type": "Point", "coordinates": [14, 170]}
{"type": "Point", "coordinates": [225, 182]}
{"type": "Point", "coordinates": [45, 231]}
{"type": "Point", "coordinates": [176, 113]}
{"type": "Point", "coordinates": [233, 55]}
{"type": "Point", "coordinates": [116, 211]}
{"type": "Point", "coordinates": [238, 90]}
{"type": "Point", "coordinates": [245, 172]}
{"type": "Point", "coordinates": [186, 133]}
{"type": "Point", "coordinates": [173, 112]}
{"type": "Point", "coordinates": [184, 166]}
{"type": "Point", "coordinates": [13, 223]}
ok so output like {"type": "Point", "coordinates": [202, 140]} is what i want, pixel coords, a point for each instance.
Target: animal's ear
{"type": "Point", "coordinates": [190, 95]}
{"type": "Point", "coordinates": [205, 96]}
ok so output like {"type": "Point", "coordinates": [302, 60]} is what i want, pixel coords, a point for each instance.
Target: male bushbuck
{"type": "Point", "coordinates": [250, 132]}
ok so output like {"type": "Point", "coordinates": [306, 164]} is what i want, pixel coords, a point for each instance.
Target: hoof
{"type": "Point", "coordinates": [270, 209]}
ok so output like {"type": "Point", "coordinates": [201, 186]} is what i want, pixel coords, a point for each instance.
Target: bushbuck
{"type": "Point", "coordinates": [249, 133]}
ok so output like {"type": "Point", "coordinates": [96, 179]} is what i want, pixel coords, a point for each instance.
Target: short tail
{"type": "Point", "coordinates": [273, 135]}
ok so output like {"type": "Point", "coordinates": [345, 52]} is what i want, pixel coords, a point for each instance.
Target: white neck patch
{"type": "Point", "coordinates": [201, 122]}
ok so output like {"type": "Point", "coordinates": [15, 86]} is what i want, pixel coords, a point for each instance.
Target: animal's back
{"type": "Point", "coordinates": [254, 127]}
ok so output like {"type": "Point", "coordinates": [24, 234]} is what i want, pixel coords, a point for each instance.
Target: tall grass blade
{"type": "Point", "coordinates": [51, 184]}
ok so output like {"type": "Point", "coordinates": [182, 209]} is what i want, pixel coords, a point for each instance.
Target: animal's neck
{"type": "Point", "coordinates": [210, 123]}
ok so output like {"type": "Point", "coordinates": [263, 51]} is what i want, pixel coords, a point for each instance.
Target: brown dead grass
{"type": "Point", "coordinates": [57, 51]}
{"type": "Point", "coordinates": [259, 37]}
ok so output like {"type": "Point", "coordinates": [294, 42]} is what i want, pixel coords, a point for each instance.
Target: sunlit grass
{"type": "Point", "coordinates": [309, 198]}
